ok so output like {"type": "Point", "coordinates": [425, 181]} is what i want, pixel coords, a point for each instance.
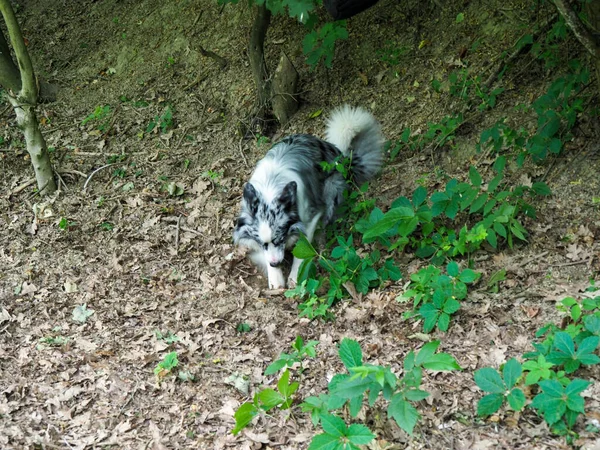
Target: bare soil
{"type": "Point", "coordinates": [147, 261]}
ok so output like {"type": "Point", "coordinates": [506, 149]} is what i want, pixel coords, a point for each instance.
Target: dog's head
{"type": "Point", "coordinates": [271, 226]}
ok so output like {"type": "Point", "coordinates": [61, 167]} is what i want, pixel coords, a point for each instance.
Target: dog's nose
{"type": "Point", "coordinates": [275, 264]}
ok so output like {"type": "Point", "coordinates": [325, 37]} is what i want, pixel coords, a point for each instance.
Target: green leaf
{"type": "Point", "coordinates": [460, 17]}
{"type": "Point", "coordinates": [427, 352]}
{"type": "Point", "coordinates": [333, 425]}
{"type": "Point", "coordinates": [419, 196]}
{"type": "Point", "coordinates": [304, 249]}
{"type": "Point", "coordinates": [541, 188]}
{"type": "Point", "coordinates": [474, 176]}
{"type": "Point", "coordinates": [325, 441]}
{"type": "Point", "coordinates": [478, 203]}
{"type": "Point", "coordinates": [415, 395]}
{"type": "Point", "coordinates": [511, 372]}
{"type": "Point", "coordinates": [468, 276]}
{"type": "Point", "coordinates": [489, 380]}
{"type": "Point", "coordinates": [243, 416]}
{"type": "Point", "coordinates": [270, 398]}
{"type": "Point", "coordinates": [489, 404]}
{"type": "Point", "coordinates": [452, 269]}
{"type": "Point", "coordinates": [405, 415]}
{"type": "Point", "coordinates": [443, 322]}
{"type": "Point", "coordinates": [350, 353]}
{"type": "Point", "coordinates": [389, 220]}
{"type": "Point", "coordinates": [576, 386]}
{"type": "Point", "coordinates": [516, 399]}
{"type": "Point", "coordinates": [275, 366]}
{"type": "Point", "coordinates": [441, 361]}
{"type": "Point", "coordinates": [359, 434]}
{"type": "Point", "coordinates": [451, 306]}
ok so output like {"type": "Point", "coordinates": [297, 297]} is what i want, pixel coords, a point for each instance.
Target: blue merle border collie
{"type": "Point", "coordinates": [290, 192]}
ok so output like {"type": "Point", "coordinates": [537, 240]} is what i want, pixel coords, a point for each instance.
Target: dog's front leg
{"type": "Point", "coordinates": [276, 278]}
{"type": "Point", "coordinates": [293, 278]}
{"type": "Point", "coordinates": [310, 232]}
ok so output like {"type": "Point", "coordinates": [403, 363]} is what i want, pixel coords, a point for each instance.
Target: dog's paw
{"type": "Point", "coordinates": [276, 279]}
{"type": "Point", "coordinates": [292, 282]}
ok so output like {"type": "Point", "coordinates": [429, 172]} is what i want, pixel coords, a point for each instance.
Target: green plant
{"type": "Point", "coordinates": [265, 400]}
{"type": "Point", "coordinates": [166, 366]}
{"type": "Point", "coordinates": [436, 295]}
{"type": "Point", "coordinates": [338, 436]}
{"type": "Point", "coordinates": [348, 272]}
{"type": "Point", "coordinates": [168, 337]}
{"type": "Point", "coordinates": [99, 117]}
{"type": "Point", "coordinates": [392, 53]}
{"type": "Point", "coordinates": [399, 392]}
{"type": "Point", "coordinates": [65, 224]}
{"type": "Point", "coordinates": [300, 351]}
{"type": "Point", "coordinates": [561, 353]}
{"type": "Point", "coordinates": [162, 122]}
{"type": "Point", "coordinates": [321, 43]}
{"type": "Point", "coordinates": [500, 388]}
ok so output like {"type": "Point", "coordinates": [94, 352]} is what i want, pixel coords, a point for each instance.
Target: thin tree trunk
{"type": "Point", "coordinates": [257, 58]}
{"type": "Point", "coordinates": [9, 73]}
{"type": "Point", "coordinates": [25, 102]}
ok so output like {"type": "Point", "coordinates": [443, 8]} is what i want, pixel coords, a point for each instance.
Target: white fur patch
{"type": "Point", "coordinates": [345, 123]}
{"type": "Point", "coordinates": [264, 232]}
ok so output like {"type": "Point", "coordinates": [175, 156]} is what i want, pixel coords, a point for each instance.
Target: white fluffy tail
{"type": "Point", "coordinates": [357, 134]}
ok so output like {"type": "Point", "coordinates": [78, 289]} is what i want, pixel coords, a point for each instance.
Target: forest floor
{"type": "Point", "coordinates": [146, 242]}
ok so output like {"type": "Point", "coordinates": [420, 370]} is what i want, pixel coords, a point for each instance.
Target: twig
{"type": "Point", "coordinates": [60, 180]}
{"type": "Point", "coordinates": [533, 258]}
{"type": "Point", "coordinates": [5, 109]}
{"type": "Point", "coordinates": [182, 137]}
{"type": "Point", "coordinates": [242, 153]}
{"type": "Point", "coordinates": [72, 172]}
{"type": "Point", "coordinates": [177, 235]}
{"type": "Point", "coordinates": [210, 54]}
{"type": "Point", "coordinates": [573, 263]}
{"type": "Point", "coordinates": [39, 191]}
{"type": "Point", "coordinates": [94, 173]}
{"type": "Point", "coordinates": [21, 187]}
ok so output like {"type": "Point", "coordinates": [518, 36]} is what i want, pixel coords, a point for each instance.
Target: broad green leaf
{"type": "Point", "coordinates": [451, 306]}
{"type": "Point", "coordinates": [443, 322]}
{"type": "Point", "coordinates": [405, 415]}
{"type": "Point", "coordinates": [541, 188]}
{"type": "Point", "coordinates": [576, 386]}
{"type": "Point", "coordinates": [489, 380]}
{"type": "Point", "coordinates": [390, 219]}
{"type": "Point", "coordinates": [270, 398]}
{"type": "Point", "coordinates": [441, 362]}
{"type": "Point", "coordinates": [243, 416]}
{"type": "Point", "coordinates": [489, 404]}
{"type": "Point", "coordinates": [452, 269]}
{"type": "Point", "coordinates": [511, 372]}
{"type": "Point", "coordinates": [359, 434]}
{"type": "Point", "coordinates": [415, 395]}
{"type": "Point", "coordinates": [325, 441]}
{"type": "Point", "coordinates": [474, 176]}
{"type": "Point", "coordinates": [304, 249]}
{"type": "Point", "coordinates": [419, 196]}
{"type": "Point", "coordinates": [275, 367]}
{"type": "Point", "coordinates": [516, 399]}
{"type": "Point", "coordinates": [350, 353]}
{"type": "Point", "coordinates": [468, 276]}
{"type": "Point", "coordinates": [333, 425]}
{"type": "Point", "coordinates": [427, 352]}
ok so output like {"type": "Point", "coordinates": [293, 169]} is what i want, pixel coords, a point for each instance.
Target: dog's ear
{"type": "Point", "coordinates": [251, 198]}
{"type": "Point", "coordinates": [288, 196]}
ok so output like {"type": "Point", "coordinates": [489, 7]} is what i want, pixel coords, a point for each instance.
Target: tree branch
{"type": "Point", "coordinates": [28, 91]}
{"type": "Point", "coordinates": [582, 34]}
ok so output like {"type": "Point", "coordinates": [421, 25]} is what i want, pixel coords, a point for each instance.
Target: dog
{"type": "Point", "coordinates": [290, 191]}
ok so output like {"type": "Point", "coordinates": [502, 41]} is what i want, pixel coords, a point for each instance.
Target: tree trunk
{"type": "Point", "coordinates": [9, 73]}
{"type": "Point", "coordinates": [25, 102]}
{"type": "Point", "coordinates": [592, 10]}
{"type": "Point", "coordinates": [257, 58]}
{"type": "Point", "coordinates": [583, 35]}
